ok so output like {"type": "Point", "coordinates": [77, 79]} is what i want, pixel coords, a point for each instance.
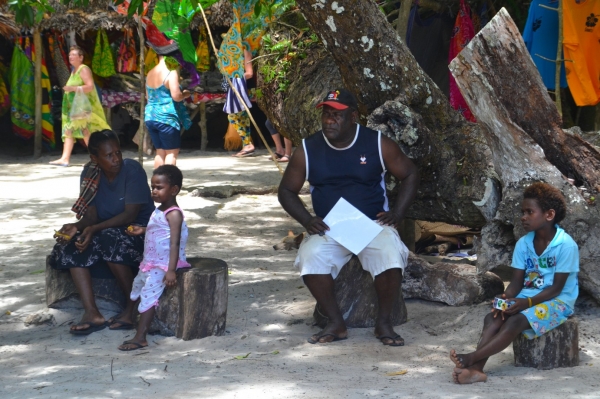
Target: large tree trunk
{"type": "Point", "coordinates": [471, 174]}
{"type": "Point", "coordinates": [499, 50]}
{"type": "Point", "coordinates": [511, 82]}
{"type": "Point", "coordinates": [453, 157]}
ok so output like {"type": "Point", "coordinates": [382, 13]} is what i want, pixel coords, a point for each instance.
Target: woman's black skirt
{"type": "Point", "coordinates": [109, 245]}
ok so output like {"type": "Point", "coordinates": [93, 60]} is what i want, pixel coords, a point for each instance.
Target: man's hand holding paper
{"type": "Point", "coordinates": [350, 227]}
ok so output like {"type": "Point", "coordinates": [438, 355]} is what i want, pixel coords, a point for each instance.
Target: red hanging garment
{"type": "Point", "coordinates": [127, 60]}
{"type": "Point", "coordinates": [461, 36]}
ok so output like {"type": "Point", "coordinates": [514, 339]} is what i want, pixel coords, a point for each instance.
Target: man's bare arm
{"type": "Point", "coordinates": [289, 188]}
{"type": "Point", "coordinates": [403, 169]}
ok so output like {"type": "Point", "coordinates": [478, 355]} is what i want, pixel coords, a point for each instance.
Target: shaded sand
{"type": "Point", "coordinates": [268, 319]}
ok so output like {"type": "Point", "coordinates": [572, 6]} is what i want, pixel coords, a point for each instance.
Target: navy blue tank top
{"type": "Point", "coordinates": [355, 173]}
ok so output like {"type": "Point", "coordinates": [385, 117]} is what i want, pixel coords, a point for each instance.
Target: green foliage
{"type": "Point", "coordinates": [29, 12]}
{"type": "Point", "coordinates": [281, 50]}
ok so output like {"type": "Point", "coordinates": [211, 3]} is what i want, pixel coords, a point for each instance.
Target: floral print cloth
{"type": "Point", "coordinates": [545, 316]}
{"type": "Point", "coordinates": [109, 245]}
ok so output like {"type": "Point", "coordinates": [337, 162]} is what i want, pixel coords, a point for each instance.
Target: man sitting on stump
{"type": "Point", "coordinates": [348, 160]}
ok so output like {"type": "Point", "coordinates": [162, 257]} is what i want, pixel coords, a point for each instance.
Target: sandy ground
{"type": "Point", "coordinates": [269, 314]}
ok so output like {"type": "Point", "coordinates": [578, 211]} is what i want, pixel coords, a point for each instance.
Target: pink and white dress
{"type": "Point", "coordinates": [148, 284]}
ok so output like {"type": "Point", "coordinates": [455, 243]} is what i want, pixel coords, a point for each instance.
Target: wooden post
{"type": "Point", "coordinates": [559, 60]}
{"type": "Point", "coordinates": [407, 233]}
{"type": "Point", "coordinates": [108, 115]}
{"type": "Point", "coordinates": [142, 130]}
{"type": "Point", "coordinates": [203, 127]}
{"type": "Point", "coordinates": [37, 45]}
{"type": "Point", "coordinates": [402, 23]}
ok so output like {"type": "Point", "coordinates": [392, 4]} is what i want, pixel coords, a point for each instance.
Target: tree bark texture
{"type": "Point", "coordinates": [454, 284]}
{"type": "Point", "coordinates": [518, 160]}
{"type": "Point", "coordinates": [293, 112]}
{"type": "Point", "coordinates": [375, 64]}
{"type": "Point", "coordinates": [500, 58]}
{"type": "Point", "coordinates": [471, 174]}
{"type": "Point", "coordinates": [357, 299]}
{"type": "Point", "coordinates": [62, 294]}
{"type": "Point", "coordinates": [449, 283]}
{"type": "Point", "coordinates": [557, 348]}
{"type": "Point", "coordinates": [197, 306]}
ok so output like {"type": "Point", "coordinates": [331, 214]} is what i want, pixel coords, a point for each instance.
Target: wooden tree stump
{"type": "Point", "coordinates": [557, 348]}
{"type": "Point", "coordinates": [62, 294]}
{"type": "Point", "coordinates": [357, 299]}
{"type": "Point", "coordinates": [197, 307]}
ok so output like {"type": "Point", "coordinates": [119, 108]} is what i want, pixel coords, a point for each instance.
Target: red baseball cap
{"type": "Point", "coordinates": [339, 99]}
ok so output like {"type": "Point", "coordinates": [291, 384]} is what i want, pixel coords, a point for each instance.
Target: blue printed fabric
{"type": "Point", "coordinates": [545, 316]}
{"type": "Point", "coordinates": [561, 256]}
{"type": "Point", "coordinates": [161, 107]}
{"type": "Point", "coordinates": [541, 38]}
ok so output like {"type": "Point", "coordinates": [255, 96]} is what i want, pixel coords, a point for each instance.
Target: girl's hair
{"type": "Point", "coordinates": [548, 197]}
{"type": "Point", "coordinates": [99, 138]}
{"type": "Point", "coordinates": [171, 172]}
{"type": "Point", "coordinates": [78, 49]}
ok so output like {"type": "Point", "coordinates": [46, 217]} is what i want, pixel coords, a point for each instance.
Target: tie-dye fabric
{"type": "Point", "coordinates": [202, 53]}
{"type": "Point", "coordinates": [103, 63]}
{"type": "Point", "coordinates": [22, 93]}
{"type": "Point", "coordinates": [127, 61]}
{"type": "Point", "coordinates": [97, 120]}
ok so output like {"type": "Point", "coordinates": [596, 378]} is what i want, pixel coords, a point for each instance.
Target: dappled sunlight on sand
{"type": "Point", "coordinates": [263, 352]}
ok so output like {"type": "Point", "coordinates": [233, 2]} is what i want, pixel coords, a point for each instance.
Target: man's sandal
{"type": "Point", "coordinates": [392, 339]}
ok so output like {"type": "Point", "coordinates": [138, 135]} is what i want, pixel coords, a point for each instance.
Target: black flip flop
{"type": "Point", "coordinates": [93, 327]}
{"type": "Point", "coordinates": [393, 343]}
{"type": "Point", "coordinates": [136, 346]}
{"type": "Point", "coordinates": [335, 338]}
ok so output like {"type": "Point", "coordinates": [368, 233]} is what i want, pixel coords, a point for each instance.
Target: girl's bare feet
{"type": "Point", "coordinates": [460, 360]}
{"type": "Point", "coordinates": [454, 357]}
{"type": "Point", "coordinates": [468, 376]}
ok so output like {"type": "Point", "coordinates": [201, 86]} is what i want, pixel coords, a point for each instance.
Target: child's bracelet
{"type": "Point", "coordinates": [530, 304]}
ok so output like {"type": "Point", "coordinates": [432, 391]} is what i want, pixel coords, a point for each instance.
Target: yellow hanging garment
{"type": "Point", "coordinates": [150, 61]}
{"type": "Point", "coordinates": [203, 63]}
{"type": "Point", "coordinates": [581, 45]}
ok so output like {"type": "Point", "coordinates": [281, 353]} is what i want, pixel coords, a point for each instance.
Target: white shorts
{"type": "Point", "coordinates": [148, 287]}
{"type": "Point", "coordinates": [323, 255]}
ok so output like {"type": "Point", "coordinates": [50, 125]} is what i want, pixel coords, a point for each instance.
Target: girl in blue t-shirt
{"type": "Point", "coordinates": [543, 288]}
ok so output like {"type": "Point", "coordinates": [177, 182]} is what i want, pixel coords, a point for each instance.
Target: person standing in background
{"type": "Point", "coordinates": [162, 120]}
{"type": "Point", "coordinates": [81, 77]}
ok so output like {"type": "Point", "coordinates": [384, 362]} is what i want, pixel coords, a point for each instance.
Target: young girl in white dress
{"type": "Point", "coordinates": [164, 250]}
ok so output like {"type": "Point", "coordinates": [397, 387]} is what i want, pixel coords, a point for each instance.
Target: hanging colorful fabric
{"type": "Point", "coordinates": [103, 63]}
{"type": "Point", "coordinates": [47, 122]}
{"type": "Point", "coordinates": [4, 97]}
{"type": "Point", "coordinates": [461, 36]}
{"type": "Point", "coordinates": [150, 60]}
{"type": "Point", "coordinates": [203, 63]}
{"type": "Point", "coordinates": [127, 61]}
{"type": "Point", "coordinates": [22, 93]}
{"type": "Point", "coordinates": [62, 70]}
{"type": "Point", "coordinates": [173, 17]}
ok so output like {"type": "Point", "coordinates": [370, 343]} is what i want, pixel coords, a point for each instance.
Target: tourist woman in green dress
{"type": "Point", "coordinates": [81, 77]}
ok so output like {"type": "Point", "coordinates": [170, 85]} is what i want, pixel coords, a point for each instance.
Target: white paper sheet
{"type": "Point", "coordinates": [350, 227]}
